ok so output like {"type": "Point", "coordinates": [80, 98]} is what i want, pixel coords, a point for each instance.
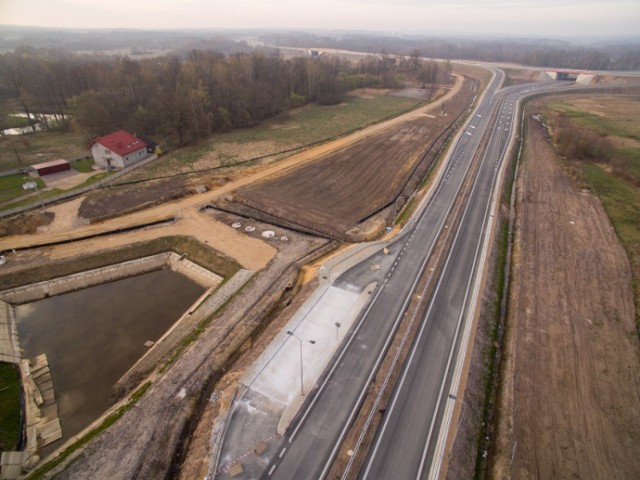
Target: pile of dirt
{"type": "Point", "coordinates": [26, 224]}
{"type": "Point", "coordinates": [571, 381]}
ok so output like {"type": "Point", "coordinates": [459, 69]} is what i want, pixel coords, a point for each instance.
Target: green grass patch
{"type": "Point", "coordinates": [9, 407]}
{"type": "Point", "coordinates": [407, 211]}
{"type": "Point", "coordinates": [11, 186]}
{"type": "Point", "coordinates": [33, 199]}
{"type": "Point", "coordinates": [602, 125]}
{"type": "Point", "coordinates": [299, 127]}
{"type": "Point", "coordinates": [90, 180]}
{"type": "Point", "coordinates": [313, 123]}
{"type": "Point", "coordinates": [83, 166]}
{"type": "Point", "coordinates": [621, 201]}
{"type": "Point", "coordinates": [626, 163]}
{"type": "Point", "coordinates": [110, 420]}
{"type": "Point", "coordinates": [44, 195]}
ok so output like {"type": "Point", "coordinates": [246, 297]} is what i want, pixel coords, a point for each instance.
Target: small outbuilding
{"type": "Point", "coordinates": [54, 166]}
{"type": "Point", "coordinates": [119, 149]}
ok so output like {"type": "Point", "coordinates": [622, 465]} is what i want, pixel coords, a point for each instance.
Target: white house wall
{"type": "Point", "coordinates": [103, 156]}
{"type": "Point", "coordinates": [136, 156]}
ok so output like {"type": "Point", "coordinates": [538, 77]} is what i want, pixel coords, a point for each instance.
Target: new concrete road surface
{"type": "Point", "coordinates": [404, 446]}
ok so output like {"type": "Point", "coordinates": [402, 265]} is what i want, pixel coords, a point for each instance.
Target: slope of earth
{"type": "Point", "coordinates": [343, 188]}
{"type": "Point", "coordinates": [570, 399]}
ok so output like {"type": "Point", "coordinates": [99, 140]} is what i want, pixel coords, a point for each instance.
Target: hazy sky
{"type": "Point", "coordinates": [530, 17]}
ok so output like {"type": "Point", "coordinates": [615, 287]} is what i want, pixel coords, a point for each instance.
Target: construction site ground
{"type": "Point", "coordinates": [570, 393]}
{"type": "Point", "coordinates": [143, 442]}
{"type": "Point", "coordinates": [176, 209]}
{"type": "Point", "coordinates": [345, 187]}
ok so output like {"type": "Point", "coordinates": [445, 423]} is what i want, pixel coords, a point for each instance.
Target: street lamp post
{"type": "Point", "coordinates": [337, 324]}
{"type": "Point", "coordinates": [300, 341]}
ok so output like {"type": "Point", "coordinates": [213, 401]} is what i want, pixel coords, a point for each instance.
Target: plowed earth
{"type": "Point", "coordinates": [570, 405]}
{"type": "Point", "coordinates": [340, 190]}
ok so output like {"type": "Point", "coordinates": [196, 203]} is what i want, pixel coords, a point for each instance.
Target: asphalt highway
{"type": "Point", "coordinates": [414, 413]}
{"type": "Point", "coordinates": [404, 445]}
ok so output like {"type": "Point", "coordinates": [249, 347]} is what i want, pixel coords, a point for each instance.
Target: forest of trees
{"type": "Point", "coordinates": [532, 52]}
{"type": "Point", "coordinates": [185, 98]}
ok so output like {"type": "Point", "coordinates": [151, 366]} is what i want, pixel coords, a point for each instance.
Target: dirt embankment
{"type": "Point", "coordinates": [570, 400]}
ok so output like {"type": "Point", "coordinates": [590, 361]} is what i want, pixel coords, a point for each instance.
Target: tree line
{"type": "Point", "coordinates": [532, 52]}
{"type": "Point", "coordinates": [185, 98]}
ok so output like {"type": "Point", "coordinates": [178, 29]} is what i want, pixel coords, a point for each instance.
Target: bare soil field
{"type": "Point", "coordinates": [343, 188]}
{"type": "Point", "coordinates": [113, 202]}
{"type": "Point", "coordinates": [570, 398]}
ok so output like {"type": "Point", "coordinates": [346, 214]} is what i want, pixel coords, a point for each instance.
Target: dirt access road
{"type": "Point", "coordinates": [179, 209]}
{"type": "Point", "coordinates": [570, 404]}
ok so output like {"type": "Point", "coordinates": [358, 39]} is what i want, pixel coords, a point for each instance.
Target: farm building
{"type": "Point", "coordinates": [54, 166]}
{"type": "Point", "coordinates": [119, 149]}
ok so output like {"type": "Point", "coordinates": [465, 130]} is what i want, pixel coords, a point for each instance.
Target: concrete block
{"type": "Point", "coordinates": [50, 431]}
{"type": "Point", "coordinates": [12, 458]}
{"type": "Point", "coordinates": [10, 472]}
{"type": "Point", "coordinates": [235, 470]}
{"type": "Point", "coordinates": [44, 386]}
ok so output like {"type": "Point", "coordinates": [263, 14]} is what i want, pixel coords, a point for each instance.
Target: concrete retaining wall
{"type": "Point", "coordinates": [9, 346]}
{"type": "Point", "coordinates": [200, 275]}
{"type": "Point", "coordinates": [90, 278]}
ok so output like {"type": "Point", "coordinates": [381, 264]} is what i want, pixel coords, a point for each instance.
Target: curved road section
{"type": "Point", "coordinates": [404, 445]}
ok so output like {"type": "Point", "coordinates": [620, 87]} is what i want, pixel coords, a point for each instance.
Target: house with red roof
{"type": "Point", "coordinates": [118, 149]}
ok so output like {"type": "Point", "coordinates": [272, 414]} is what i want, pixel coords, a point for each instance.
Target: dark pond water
{"type": "Point", "coordinates": [93, 336]}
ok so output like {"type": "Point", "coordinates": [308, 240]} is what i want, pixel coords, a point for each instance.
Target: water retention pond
{"type": "Point", "coordinates": [93, 336]}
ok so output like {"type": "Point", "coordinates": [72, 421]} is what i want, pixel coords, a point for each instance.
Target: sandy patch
{"type": "Point", "coordinates": [251, 253]}
{"type": "Point", "coordinates": [66, 180]}
{"type": "Point", "coordinates": [66, 216]}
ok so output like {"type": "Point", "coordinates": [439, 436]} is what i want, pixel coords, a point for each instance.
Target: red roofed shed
{"type": "Point", "coordinates": [53, 166]}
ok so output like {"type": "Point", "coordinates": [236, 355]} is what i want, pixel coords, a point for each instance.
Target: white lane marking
{"type": "Point", "coordinates": [282, 452]}
{"type": "Point", "coordinates": [273, 467]}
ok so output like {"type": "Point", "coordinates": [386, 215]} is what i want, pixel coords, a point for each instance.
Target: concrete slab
{"type": "Point", "coordinates": [12, 458]}
{"type": "Point", "coordinates": [50, 431]}
{"type": "Point", "coordinates": [10, 472]}
{"type": "Point", "coordinates": [277, 373]}
{"type": "Point", "coordinates": [42, 375]}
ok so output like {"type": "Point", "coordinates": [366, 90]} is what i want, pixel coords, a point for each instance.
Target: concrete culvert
{"type": "Point", "coordinates": [236, 225]}
{"type": "Point", "coordinates": [268, 234]}
{"type": "Point", "coordinates": [250, 228]}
